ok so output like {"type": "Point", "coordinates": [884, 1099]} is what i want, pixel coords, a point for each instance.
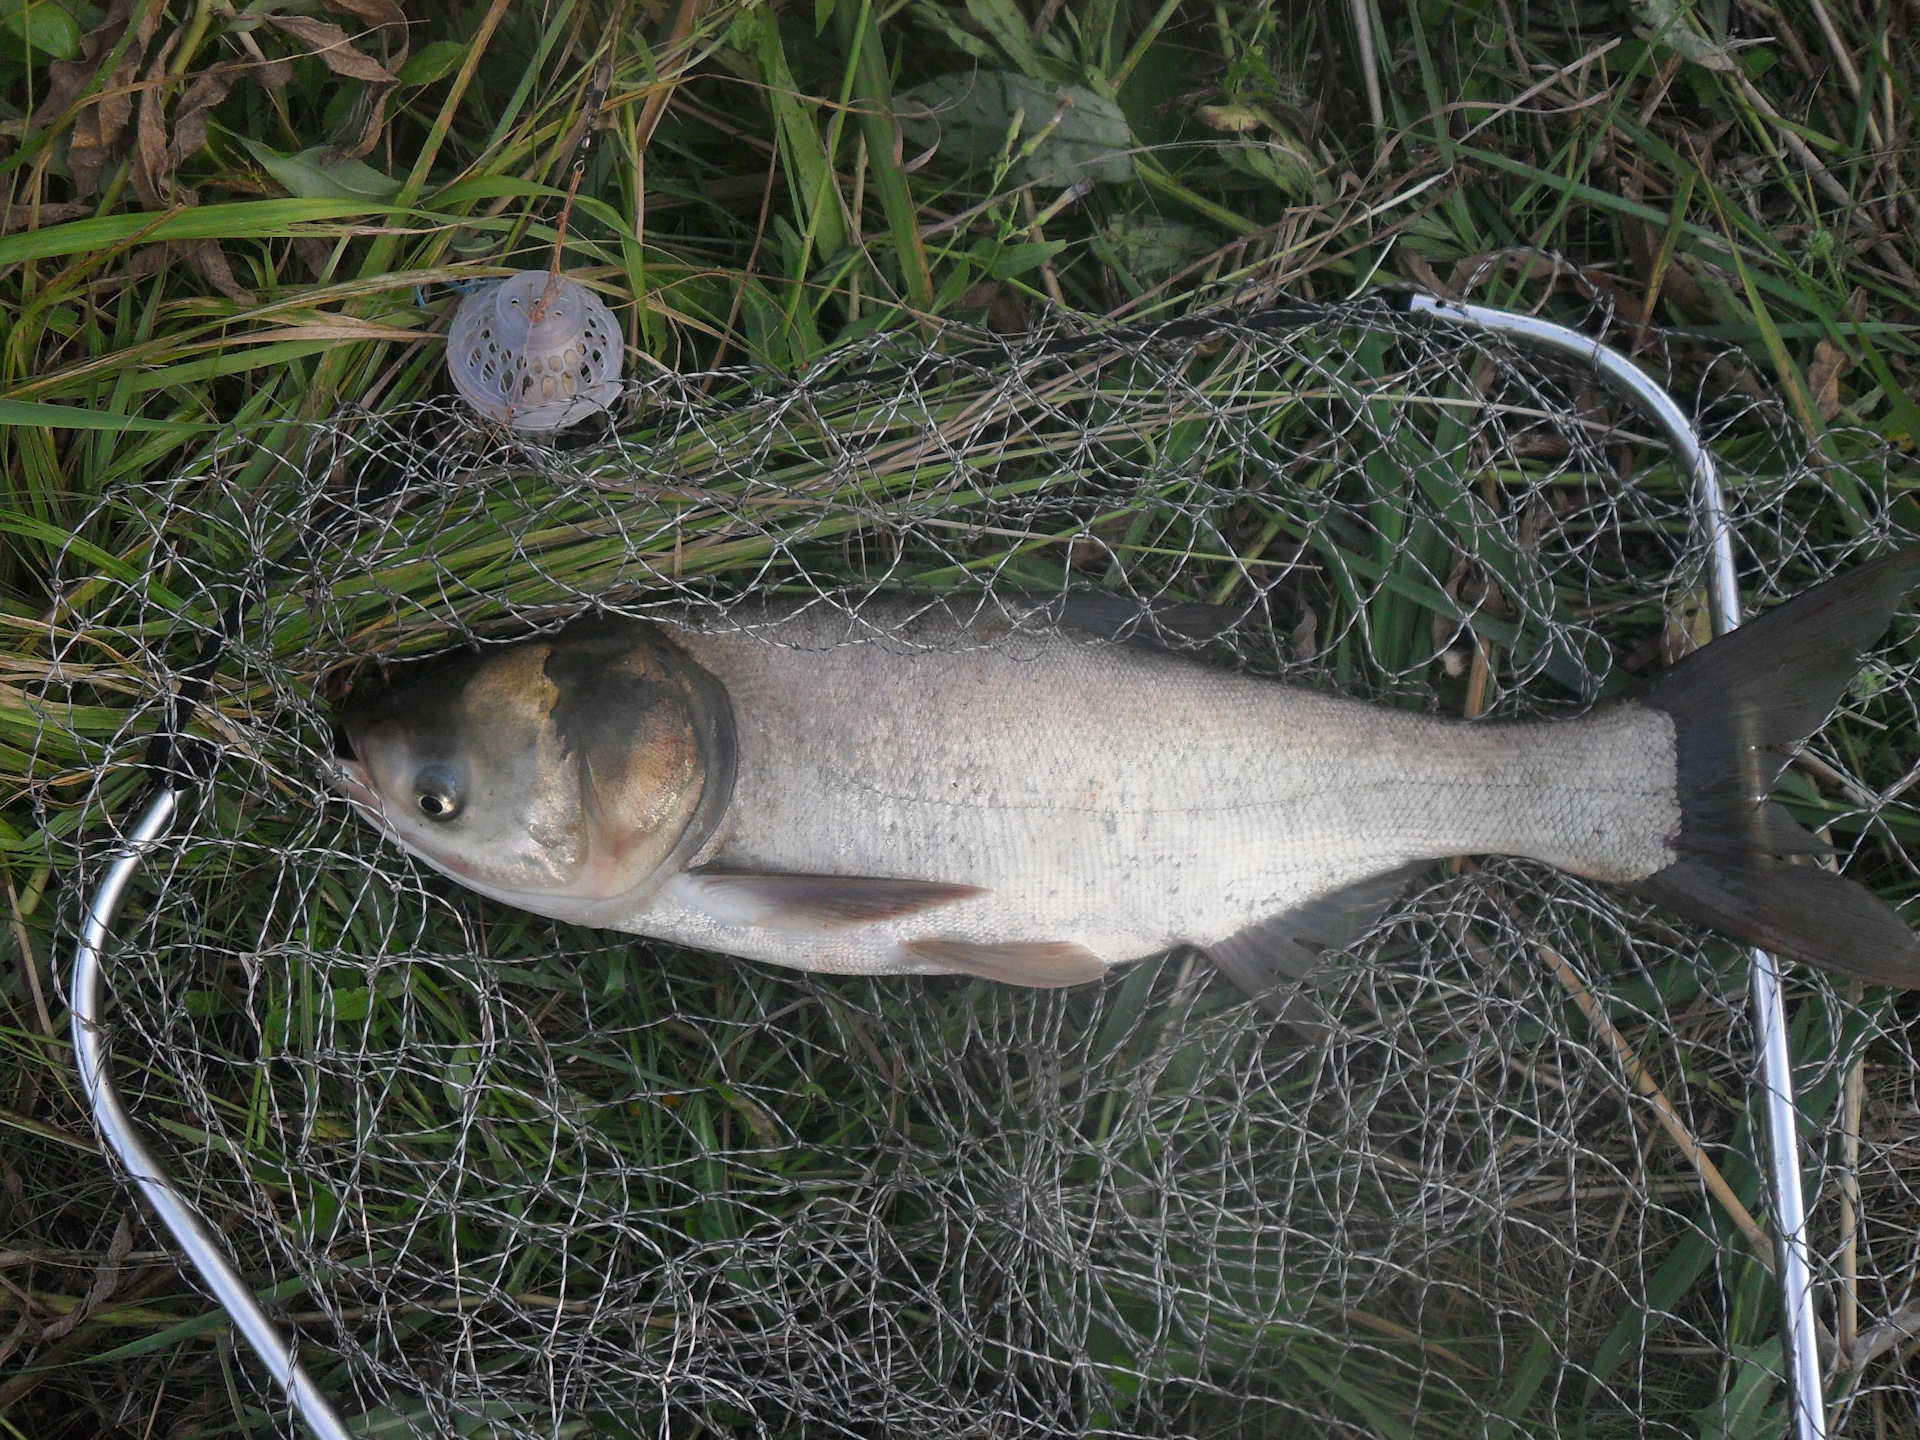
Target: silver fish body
{"type": "Point", "coordinates": [928, 787]}
{"type": "Point", "coordinates": [1115, 798]}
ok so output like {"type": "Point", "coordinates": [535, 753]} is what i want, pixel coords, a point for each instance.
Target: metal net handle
{"type": "Point", "coordinates": [195, 1237]}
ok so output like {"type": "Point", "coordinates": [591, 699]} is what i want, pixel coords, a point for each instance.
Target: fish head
{"type": "Point", "coordinates": [571, 775]}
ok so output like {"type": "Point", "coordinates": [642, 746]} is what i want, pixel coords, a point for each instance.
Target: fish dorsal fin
{"type": "Point", "coordinates": [1153, 625]}
{"type": "Point", "coordinates": [777, 901]}
{"type": "Point", "coordinates": [1278, 960]}
{"type": "Point", "coordinates": [1043, 963]}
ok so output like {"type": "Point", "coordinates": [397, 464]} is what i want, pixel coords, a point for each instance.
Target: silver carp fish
{"type": "Point", "coordinates": [1019, 794]}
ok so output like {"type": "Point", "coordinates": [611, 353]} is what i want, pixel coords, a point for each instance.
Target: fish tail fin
{"type": "Point", "coordinates": [1734, 703]}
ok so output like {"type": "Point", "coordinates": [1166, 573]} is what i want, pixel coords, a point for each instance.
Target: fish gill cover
{"type": "Point", "coordinates": [512, 1178]}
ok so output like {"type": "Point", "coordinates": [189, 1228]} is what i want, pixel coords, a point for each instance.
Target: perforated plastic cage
{"type": "Point", "coordinates": [538, 351]}
{"type": "Point", "coordinates": [505, 1177]}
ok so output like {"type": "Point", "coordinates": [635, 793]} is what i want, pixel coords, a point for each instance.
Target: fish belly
{"type": "Point", "coordinates": [1121, 799]}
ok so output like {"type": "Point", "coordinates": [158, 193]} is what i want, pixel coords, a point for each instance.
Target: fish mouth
{"type": "Point", "coordinates": [352, 779]}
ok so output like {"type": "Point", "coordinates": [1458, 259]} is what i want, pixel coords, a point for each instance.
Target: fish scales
{"type": "Point", "coordinates": [1121, 798]}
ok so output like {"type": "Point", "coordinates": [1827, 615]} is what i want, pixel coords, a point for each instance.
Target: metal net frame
{"type": "Point", "coordinates": [508, 1177]}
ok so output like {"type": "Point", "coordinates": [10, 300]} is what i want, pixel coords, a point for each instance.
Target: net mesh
{"type": "Point", "coordinates": [508, 1177]}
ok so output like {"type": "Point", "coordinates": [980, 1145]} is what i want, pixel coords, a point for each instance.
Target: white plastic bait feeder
{"type": "Point", "coordinates": [537, 352]}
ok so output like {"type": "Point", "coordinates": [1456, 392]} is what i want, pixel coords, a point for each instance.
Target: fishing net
{"type": "Point", "coordinates": [506, 1177]}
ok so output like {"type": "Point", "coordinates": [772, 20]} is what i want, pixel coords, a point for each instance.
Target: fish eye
{"type": "Point", "coordinates": [437, 793]}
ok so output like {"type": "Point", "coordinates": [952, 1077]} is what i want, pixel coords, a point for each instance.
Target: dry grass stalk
{"type": "Point", "coordinates": [1670, 1118]}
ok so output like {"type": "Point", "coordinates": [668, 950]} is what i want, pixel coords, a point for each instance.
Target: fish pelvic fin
{"type": "Point", "coordinates": [1047, 964]}
{"type": "Point", "coordinates": [1734, 705]}
{"type": "Point", "coordinates": [1280, 961]}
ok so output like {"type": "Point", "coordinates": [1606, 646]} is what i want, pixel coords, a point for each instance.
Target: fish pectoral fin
{"type": "Point", "coordinates": [813, 902]}
{"type": "Point", "coordinates": [1278, 962]}
{"type": "Point", "coordinates": [1047, 964]}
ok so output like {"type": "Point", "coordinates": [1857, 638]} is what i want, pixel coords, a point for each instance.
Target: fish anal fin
{"type": "Point", "coordinates": [1276, 972]}
{"type": "Point", "coordinates": [1047, 964]}
{"type": "Point", "coordinates": [777, 901]}
{"type": "Point", "coordinates": [1278, 961]}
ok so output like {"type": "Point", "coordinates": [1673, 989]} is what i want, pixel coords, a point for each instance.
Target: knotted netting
{"type": "Point", "coordinates": [508, 1177]}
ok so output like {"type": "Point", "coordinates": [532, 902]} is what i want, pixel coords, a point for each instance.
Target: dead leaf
{"type": "Point", "coordinates": [23, 1328]}
{"type": "Point", "coordinates": [209, 88]}
{"type": "Point", "coordinates": [97, 128]}
{"type": "Point", "coordinates": [152, 12]}
{"type": "Point", "coordinates": [151, 174]}
{"type": "Point", "coordinates": [1538, 444]}
{"type": "Point", "coordinates": [211, 261]}
{"type": "Point", "coordinates": [373, 105]}
{"type": "Point", "coordinates": [106, 1280]}
{"type": "Point", "coordinates": [69, 78]}
{"type": "Point", "coordinates": [1823, 377]}
{"type": "Point", "coordinates": [1416, 269]}
{"type": "Point", "coordinates": [315, 255]}
{"type": "Point", "coordinates": [26, 217]}
{"type": "Point", "coordinates": [376, 13]}
{"type": "Point", "coordinates": [99, 123]}
{"type": "Point", "coordinates": [1472, 271]}
{"type": "Point", "coordinates": [205, 256]}
{"type": "Point", "coordinates": [333, 47]}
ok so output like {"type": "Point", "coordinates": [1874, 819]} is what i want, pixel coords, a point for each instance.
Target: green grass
{"type": "Point", "coordinates": [175, 328]}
